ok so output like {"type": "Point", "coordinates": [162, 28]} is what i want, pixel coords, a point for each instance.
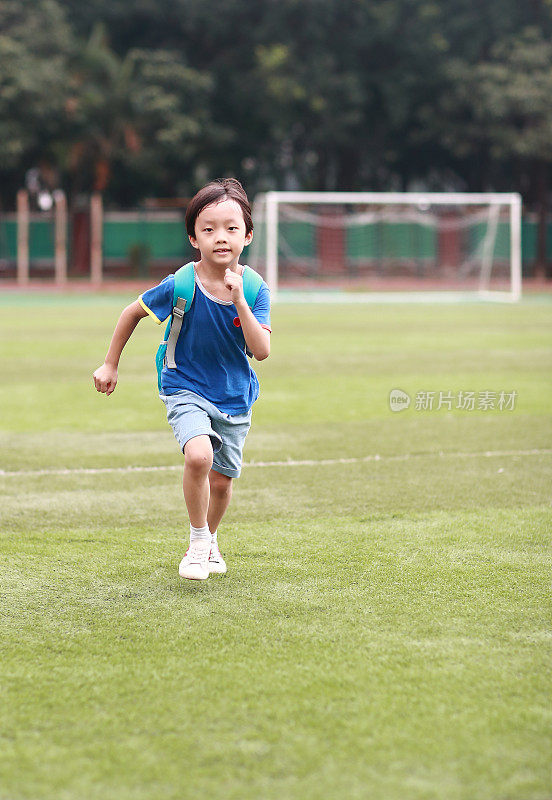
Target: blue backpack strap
{"type": "Point", "coordinates": [184, 289]}
{"type": "Point", "coordinates": [184, 283]}
{"type": "Point", "coordinates": [252, 283]}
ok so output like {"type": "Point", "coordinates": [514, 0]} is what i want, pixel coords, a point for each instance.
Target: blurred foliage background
{"type": "Point", "coordinates": [154, 97]}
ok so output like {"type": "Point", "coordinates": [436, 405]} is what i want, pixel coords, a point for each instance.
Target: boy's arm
{"type": "Point", "coordinates": [256, 337]}
{"type": "Point", "coordinates": [105, 377]}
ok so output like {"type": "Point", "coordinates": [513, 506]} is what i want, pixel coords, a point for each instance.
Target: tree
{"type": "Point", "coordinates": [134, 120]}
{"type": "Point", "coordinates": [501, 107]}
{"type": "Point", "coordinates": [35, 46]}
{"type": "Point", "coordinates": [157, 96]}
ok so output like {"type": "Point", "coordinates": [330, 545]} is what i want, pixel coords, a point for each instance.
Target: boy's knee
{"type": "Point", "coordinates": [198, 454]}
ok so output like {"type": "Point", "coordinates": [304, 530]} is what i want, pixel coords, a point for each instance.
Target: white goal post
{"type": "Point", "coordinates": [456, 241]}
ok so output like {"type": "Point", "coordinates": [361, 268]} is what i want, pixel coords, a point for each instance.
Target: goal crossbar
{"type": "Point", "coordinates": [406, 198]}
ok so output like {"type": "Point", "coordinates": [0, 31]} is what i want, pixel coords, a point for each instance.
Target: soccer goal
{"type": "Point", "coordinates": [382, 241]}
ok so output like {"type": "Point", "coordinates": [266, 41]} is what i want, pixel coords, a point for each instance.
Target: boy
{"type": "Point", "coordinates": [210, 393]}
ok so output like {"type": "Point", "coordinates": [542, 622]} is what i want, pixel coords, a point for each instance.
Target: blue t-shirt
{"type": "Point", "coordinates": [210, 353]}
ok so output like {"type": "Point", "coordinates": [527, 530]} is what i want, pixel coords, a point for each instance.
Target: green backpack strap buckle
{"type": "Point", "coordinates": [184, 288]}
{"type": "Point", "coordinates": [174, 332]}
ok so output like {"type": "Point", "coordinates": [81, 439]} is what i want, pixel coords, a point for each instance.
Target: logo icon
{"type": "Point", "coordinates": [398, 400]}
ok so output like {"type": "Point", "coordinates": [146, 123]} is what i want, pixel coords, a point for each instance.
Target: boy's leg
{"type": "Point", "coordinates": [198, 455]}
{"type": "Point", "coordinates": [220, 496]}
{"type": "Point", "coordinates": [227, 464]}
{"type": "Point", "coordinates": [191, 423]}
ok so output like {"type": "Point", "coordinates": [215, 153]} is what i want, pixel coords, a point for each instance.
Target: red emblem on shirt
{"type": "Point", "coordinates": [237, 322]}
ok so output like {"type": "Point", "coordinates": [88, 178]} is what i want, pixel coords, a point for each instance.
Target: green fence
{"type": "Point", "coordinates": [135, 241]}
{"type": "Point", "coordinates": [159, 237]}
{"type": "Point", "coordinates": [391, 240]}
{"type": "Point", "coordinates": [41, 239]}
{"type": "Point", "coordinates": [408, 240]}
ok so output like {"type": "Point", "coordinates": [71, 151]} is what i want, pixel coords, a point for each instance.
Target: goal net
{"type": "Point", "coordinates": [389, 241]}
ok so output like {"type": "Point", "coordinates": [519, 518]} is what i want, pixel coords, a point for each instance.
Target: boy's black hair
{"type": "Point", "coordinates": [213, 192]}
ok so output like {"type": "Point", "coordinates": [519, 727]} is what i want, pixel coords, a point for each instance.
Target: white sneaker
{"type": "Point", "coordinates": [195, 564]}
{"type": "Point", "coordinates": [216, 562]}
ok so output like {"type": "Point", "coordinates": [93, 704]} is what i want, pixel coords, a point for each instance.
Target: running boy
{"type": "Point", "coordinates": [210, 392]}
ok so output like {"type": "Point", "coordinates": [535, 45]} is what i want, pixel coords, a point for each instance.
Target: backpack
{"type": "Point", "coordinates": [184, 290]}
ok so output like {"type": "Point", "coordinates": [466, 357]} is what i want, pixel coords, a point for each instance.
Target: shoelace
{"type": "Point", "coordinates": [196, 553]}
{"type": "Point", "coordinates": [214, 555]}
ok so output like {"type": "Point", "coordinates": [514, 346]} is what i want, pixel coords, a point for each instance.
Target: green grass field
{"type": "Point", "coordinates": [384, 629]}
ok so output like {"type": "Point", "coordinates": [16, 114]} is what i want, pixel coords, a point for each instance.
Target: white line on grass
{"type": "Point", "coordinates": [323, 462]}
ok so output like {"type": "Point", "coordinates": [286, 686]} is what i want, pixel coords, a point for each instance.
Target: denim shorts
{"type": "Point", "coordinates": [190, 415]}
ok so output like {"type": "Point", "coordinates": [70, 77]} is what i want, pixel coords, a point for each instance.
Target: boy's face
{"type": "Point", "coordinates": [220, 233]}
